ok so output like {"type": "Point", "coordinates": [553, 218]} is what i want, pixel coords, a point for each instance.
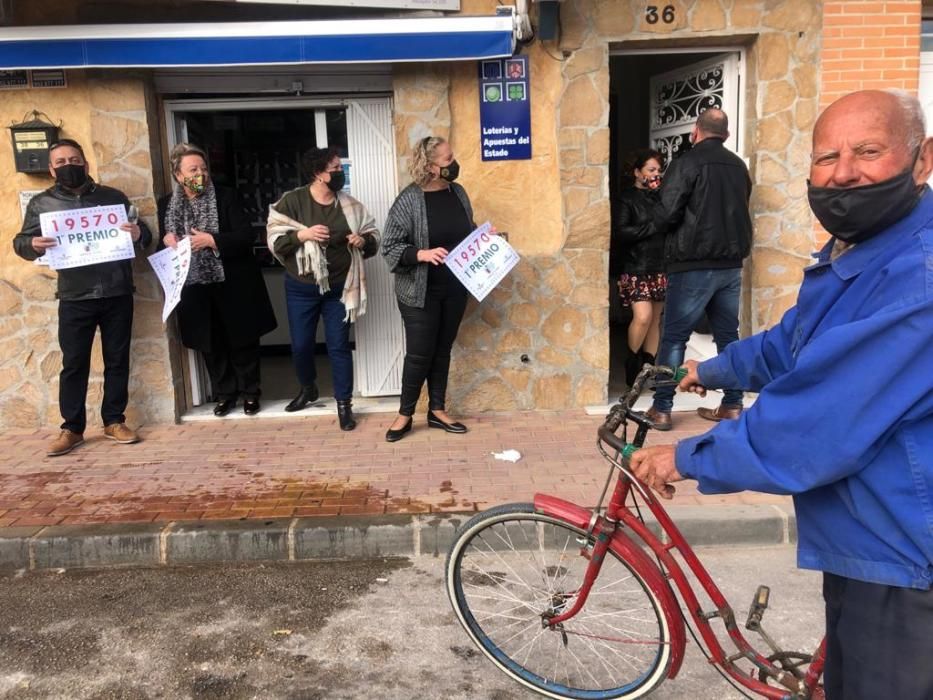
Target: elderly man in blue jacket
{"type": "Point", "coordinates": [844, 420]}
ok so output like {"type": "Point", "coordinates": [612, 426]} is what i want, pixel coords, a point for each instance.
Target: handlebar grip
{"type": "Point", "coordinates": [626, 449]}
{"type": "Point", "coordinates": [611, 439]}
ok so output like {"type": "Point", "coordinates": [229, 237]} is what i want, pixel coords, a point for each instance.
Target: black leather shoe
{"type": "Point", "coordinates": [305, 396]}
{"type": "Point", "coordinates": [345, 415]}
{"type": "Point", "coordinates": [396, 435]}
{"type": "Point", "coordinates": [224, 407]}
{"type": "Point", "coordinates": [251, 407]}
{"type": "Point", "coordinates": [435, 422]}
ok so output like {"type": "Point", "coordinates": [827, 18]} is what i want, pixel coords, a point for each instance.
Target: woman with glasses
{"type": "Point", "coordinates": [321, 236]}
{"type": "Point", "coordinates": [224, 307]}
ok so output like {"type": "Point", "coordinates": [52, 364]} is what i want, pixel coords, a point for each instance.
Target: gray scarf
{"type": "Point", "coordinates": [182, 215]}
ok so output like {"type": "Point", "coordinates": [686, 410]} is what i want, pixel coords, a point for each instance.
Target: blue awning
{"type": "Point", "coordinates": [257, 43]}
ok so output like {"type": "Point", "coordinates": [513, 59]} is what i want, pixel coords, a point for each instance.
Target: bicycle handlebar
{"type": "Point", "coordinates": [617, 414]}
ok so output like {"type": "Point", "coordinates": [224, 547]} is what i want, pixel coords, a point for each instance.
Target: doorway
{"type": "Point", "coordinates": [654, 101]}
{"type": "Point", "coordinates": [255, 147]}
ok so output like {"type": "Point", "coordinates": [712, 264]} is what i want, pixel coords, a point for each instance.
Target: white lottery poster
{"type": "Point", "coordinates": [481, 261]}
{"type": "Point", "coordinates": [171, 267]}
{"type": "Point", "coordinates": [86, 236]}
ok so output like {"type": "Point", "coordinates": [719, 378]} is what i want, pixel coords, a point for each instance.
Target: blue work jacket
{"type": "Point", "coordinates": [844, 420]}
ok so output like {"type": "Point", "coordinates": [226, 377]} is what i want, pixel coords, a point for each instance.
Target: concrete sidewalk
{"type": "Point", "coordinates": [296, 488]}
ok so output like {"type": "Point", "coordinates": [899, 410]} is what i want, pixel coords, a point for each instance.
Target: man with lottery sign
{"type": "Point", "coordinates": [98, 295]}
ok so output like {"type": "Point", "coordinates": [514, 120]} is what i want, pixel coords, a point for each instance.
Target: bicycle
{"type": "Point", "coordinates": [568, 601]}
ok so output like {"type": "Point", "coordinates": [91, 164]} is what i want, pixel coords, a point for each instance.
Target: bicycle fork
{"type": "Point", "coordinates": [602, 529]}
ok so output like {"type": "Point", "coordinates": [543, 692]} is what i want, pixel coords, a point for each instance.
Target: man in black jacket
{"type": "Point", "coordinates": [705, 211]}
{"type": "Point", "coordinates": [92, 296]}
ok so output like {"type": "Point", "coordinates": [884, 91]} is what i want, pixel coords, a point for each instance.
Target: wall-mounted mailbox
{"type": "Point", "coordinates": [31, 141]}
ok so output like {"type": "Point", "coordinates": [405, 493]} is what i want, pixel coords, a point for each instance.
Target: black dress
{"type": "Point", "coordinates": [241, 300]}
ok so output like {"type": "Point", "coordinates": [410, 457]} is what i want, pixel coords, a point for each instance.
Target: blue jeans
{"type": "Point", "coordinates": [306, 305]}
{"type": "Point", "coordinates": [689, 295]}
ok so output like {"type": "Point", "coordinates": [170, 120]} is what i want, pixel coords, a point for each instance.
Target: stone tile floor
{"type": "Point", "coordinates": [305, 466]}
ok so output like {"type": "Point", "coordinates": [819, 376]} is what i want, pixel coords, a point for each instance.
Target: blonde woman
{"type": "Point", "coordinates": [429, 218]}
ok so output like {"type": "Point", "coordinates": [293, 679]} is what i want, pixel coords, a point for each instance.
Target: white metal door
{"type": "Point", "coordinates": [197, 370]}
{"type": "Point", "coordinates": [373, 180]}
{"type": "Point", "coordinates": [679, 96]}
{"type": "Point", "coordinates": [380, 341]}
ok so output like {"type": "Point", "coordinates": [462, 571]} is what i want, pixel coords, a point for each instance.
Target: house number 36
{"type": "Point", "coordinates": [666, 14]}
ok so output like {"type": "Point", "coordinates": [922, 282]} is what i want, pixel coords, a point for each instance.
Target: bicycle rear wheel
{"type": "Point", "coordinates": [510, 568]}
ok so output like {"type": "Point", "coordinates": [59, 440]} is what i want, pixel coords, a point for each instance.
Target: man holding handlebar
{"type": "Point", "coordinates": [844, 420]}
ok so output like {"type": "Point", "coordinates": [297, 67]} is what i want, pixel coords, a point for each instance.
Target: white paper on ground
{"type": "Point", "coordinates": [508, 455]}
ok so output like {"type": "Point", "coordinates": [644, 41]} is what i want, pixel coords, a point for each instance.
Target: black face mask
{"type": "Point", "coordinates": [337, 181]}
{"type": "Point", "coordinates": [71, 176]}
{"type": "Point", "coordinates": [856, 214]}
{"type": "Point", "coordinates": [451, 171]}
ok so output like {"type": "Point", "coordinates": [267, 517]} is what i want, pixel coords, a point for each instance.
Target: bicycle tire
{"type": "Point", "coordinates": [509, 566]}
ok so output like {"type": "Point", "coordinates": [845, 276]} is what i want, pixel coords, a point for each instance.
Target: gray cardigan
{"type": "Point", "coordinates": [407, 225]}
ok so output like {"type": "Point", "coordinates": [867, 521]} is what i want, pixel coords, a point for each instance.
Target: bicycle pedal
{"type": "Point", "coordinates": [757, 609]}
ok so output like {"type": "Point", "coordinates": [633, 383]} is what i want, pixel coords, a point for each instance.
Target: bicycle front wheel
{"type": "Point", "coordinates": [510, 569]}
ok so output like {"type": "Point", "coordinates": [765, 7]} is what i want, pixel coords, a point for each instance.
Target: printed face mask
{"type": "Point", "coordinates": [856, 214]}
{"type": "Point", "coordinates": [195, 183]}
{"type": "Point", "coordinates": [71, 176]}
{"type": "Point", "coordinates": [450, 172]}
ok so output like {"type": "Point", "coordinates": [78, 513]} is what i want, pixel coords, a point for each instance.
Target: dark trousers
{"type": "Point", "coordinates": [234, 371]}
{"type": "Point", "coordinates": [879, 641]}
{"type": "Point", "coordinates": [429, 335]}
{"type": "Point", "coordinates": [78, 321]}
{"type": "Point", "coordinates": [306, 305]}
{"type": "Point", "coordinates": [689, 295]}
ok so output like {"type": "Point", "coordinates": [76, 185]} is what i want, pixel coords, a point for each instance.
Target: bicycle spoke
{"type": "Point", "coordinates": [514, 572]}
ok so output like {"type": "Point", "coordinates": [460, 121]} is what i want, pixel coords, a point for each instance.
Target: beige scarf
{"type": "Point", "coordinates": [311, 260]}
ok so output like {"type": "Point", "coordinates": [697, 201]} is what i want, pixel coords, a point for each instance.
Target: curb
{"type": "Point", "coordinates": [341, 537]}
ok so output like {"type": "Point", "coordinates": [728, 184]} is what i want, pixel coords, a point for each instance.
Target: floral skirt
{"type": "Point", "coordinates": [648, 287]}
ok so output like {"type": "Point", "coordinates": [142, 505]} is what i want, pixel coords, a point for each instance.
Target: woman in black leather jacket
{"type": "Point", "coordinates": [642, 282]}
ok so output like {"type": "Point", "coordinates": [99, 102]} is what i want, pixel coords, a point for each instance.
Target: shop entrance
{"type": "Point", "coordinates": [655, 99]}
{"type": "Point", "coordinates": [254, 147]}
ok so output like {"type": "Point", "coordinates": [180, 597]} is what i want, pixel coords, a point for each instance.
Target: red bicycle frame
{"type": "Point", "coordinates": [609, 532]}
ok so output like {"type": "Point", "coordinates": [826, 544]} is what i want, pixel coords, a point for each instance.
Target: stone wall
{"type": "Point", "coordinates": [110, 117]}
{"type": "Point", "coordinates": [540, 339]}
{"type": "Point", "coordinates": [782, 42]}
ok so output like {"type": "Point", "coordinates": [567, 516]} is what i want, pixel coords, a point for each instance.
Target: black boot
{"type": "Point", "coordinates": [305, 396]}
{"type": "Point", "coordinates": [632, 366]}
{"type": "Point", "coordinates": [345, 415]}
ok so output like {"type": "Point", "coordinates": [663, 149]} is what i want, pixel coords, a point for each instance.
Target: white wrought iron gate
{"type": "Point", "coordinates": [679, 96]}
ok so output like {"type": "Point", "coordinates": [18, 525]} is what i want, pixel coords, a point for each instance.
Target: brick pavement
{"type": "Point", "coordinates": [305, 466]}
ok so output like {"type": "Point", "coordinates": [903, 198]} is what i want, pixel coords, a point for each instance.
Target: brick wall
{"type": "Point", "coordinates": [869, 44]}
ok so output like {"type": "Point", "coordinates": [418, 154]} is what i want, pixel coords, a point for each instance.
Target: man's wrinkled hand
{"type": "Point", "coordinates": [657, 467]}
{"type": "Point", "coordinates": [691, 383]}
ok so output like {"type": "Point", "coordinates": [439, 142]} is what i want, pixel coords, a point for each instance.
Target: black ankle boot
{"type": "Point", "coordinates": [305, 396]}
{"type": "Point", "coordinates": [632, 367]}
{"type": "Point", "coordinates": [345, 415]}
{"type": "Point", "coordinates": [647, 358]}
